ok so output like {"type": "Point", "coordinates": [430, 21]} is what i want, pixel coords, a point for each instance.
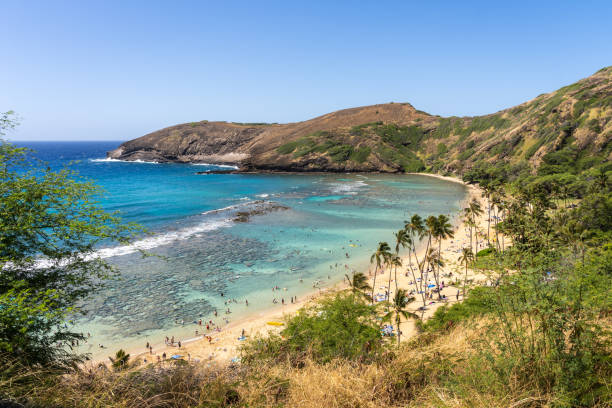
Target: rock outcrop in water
{"type": "Point", "coordinates": [396, 137]}
{"type": "Point", "coordinates": [258, 208]}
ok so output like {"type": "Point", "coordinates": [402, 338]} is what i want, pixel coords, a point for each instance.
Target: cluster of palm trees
{"type": "Point", "coordinates": [434, 230]}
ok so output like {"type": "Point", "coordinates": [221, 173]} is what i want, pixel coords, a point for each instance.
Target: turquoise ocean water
{"type": "Point", "coordinates": [332, 224]}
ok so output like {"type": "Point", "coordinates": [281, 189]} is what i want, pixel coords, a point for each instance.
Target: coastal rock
{"type": "Point", "coordinates": [260, 208]}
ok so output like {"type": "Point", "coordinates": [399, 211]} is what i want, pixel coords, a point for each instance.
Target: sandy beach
{"type": "Point", "coordinates": [225, 339]}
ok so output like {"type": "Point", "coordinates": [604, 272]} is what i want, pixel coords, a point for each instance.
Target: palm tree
{"type": "Point", "coordinates": [442, 230]}
{"type": "Point", "coordinates": [381, 256]}
{"type": "Point", "coordinates": [467, 256]}
{"type": "Point", "coordinates": [358, 284]}
{"type": "Point", "coordinates": [474, 210]}
{"type": "Point", "coordinates": [398, 309]}
{"type": "Point", "coordinates": [394, 262]}
{"type": "Point", "coordinates": [496, 199]}
{"type": "Point", "coordinates": [430, 224]}
{"type": "Point", "coordinates": [121, 360]}
{"type": "Point", "coordinates": [434, 260]}
{"type": "Point", "coordinates": [416, 231]}
{"type": "Point", "coordinates": [402, 239]}
{"type": "Point", "coordinates": [487, 190]}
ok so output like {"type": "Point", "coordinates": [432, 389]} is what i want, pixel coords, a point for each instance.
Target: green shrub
{"type": "Point", "coordinates": [360, 155]}
{"type": "Point", "coordinates": [340, 326]}
{"type": "Point", "coordinates": [340, 153]}
{"type": "Point", "coordinates": [287, 147]}
{"type": "Point", "coordinates": [480, 301]}
{"type": "Point", "coordinates": [466, 154]}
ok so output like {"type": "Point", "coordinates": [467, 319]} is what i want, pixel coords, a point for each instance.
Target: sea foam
{"type": "Point", "coordinates": [111, 160]}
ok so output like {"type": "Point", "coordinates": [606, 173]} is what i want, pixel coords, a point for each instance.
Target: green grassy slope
{"type": "Point", "coordinates": [574, 120]}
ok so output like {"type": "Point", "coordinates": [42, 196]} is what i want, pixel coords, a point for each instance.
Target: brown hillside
{"type": "Point", "coordinates": [395, 137]}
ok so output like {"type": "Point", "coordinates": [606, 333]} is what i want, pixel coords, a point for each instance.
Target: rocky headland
{"type": "Point", "coordinates": [395, 137]}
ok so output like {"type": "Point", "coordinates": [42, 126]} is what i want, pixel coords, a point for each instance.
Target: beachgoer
{"type": "Point", "coordinates": [283, 300]}
{"type": "Point", "coordinates": [164, 355]}
{"type": "Point", "coordinates": [179, 344]}
{"type": "Point", "coordinates": [200, 322]}
{"type": "Point", "coordinates": [247, 302]}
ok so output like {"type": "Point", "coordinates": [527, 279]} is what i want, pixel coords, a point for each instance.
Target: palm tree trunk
{"type": "Point", "coordinates": [489, 221]}
{"type": "Point", "coordinates": [465, 280]}
{"type": "Point", "coordinates": [389, 286]}
{"type": "Point", "coordinates": [395, 279]}
{"type": "Point", "coordinates": [397, 321]}
{"type": "Point", "coordinates": [416, 286]}
{"type": "Point", "coordinates": [374, 283]}
{"type": "Point", "coordinates": [437, 275]}
{"type": "Point", "coordinates": [475, 236]}
{"type": "Point", "coordinates": [471, 240]}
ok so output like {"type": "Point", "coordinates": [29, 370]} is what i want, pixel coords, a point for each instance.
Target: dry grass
{"type": "Point", "coordinates": [430, 371]}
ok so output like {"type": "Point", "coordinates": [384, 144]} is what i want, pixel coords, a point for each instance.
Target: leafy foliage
{"type": "Point", "coordinates": [341, 326]}
{"type": "Point", "coordinates": [51, 225]}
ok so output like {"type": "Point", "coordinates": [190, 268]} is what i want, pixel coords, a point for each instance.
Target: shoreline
{"type": "Point", "coordinates": [223, 348]}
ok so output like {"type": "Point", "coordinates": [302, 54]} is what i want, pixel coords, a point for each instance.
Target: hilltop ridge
{"type": "Point", "coordinates": [396, 137]}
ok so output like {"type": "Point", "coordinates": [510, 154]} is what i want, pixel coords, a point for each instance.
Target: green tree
{"type": "Point", "coordinates": [467, 257]}
{"type": "Point", "coordinates": [381, 257]}
{"type": "Point", "coordinates": [120, 361]}
{"type": "Point", "coordinates": [402, 240]}
{"type": "Point", "coordinates": [358, 284]}
{"type": "Point", "coordinates": [338, 326]}
{"type": "Point", "coordinates": [8, 121]}
{"type": "Point", "coordinates": [471, 212]}
{"type": "Point", "coordinates": [442, 230]}
{"type": "Point", "coordinates": [51, 226]}
{"type": "Point", "coordinates": [398, 310]}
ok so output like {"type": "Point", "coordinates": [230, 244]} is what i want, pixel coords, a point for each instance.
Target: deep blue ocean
{"type": "Point", "coordinates": [330, 227]}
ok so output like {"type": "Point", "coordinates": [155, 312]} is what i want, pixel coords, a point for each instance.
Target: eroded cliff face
{"type": "Point", "coordinates": [201, 142]}
{"type": "Point", "coordinates": [395, 137]}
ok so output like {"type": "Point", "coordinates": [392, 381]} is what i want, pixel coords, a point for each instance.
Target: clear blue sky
{"type": "Point", "coordinates": [94, 70]}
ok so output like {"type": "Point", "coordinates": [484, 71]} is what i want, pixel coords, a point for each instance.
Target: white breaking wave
{"type": "Point", "coordinates": [348, 188]}
{"type": "Point", "coordinates": [263, 195]}
{"type": "Point", "coordinates": [164, 239]}
{"type": "Point", "coordinates": [149, 243]}
{"type": "Point", "coordinates": [227, 166]}
{"type": "Point", "coordinates": [229, 207]}
{"type": "Point", "coordinates": [110, 160]}
{"type": "Point", "coordinates": [169, 237]}
{"type": "Point", "coordinates": [146, 244]}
